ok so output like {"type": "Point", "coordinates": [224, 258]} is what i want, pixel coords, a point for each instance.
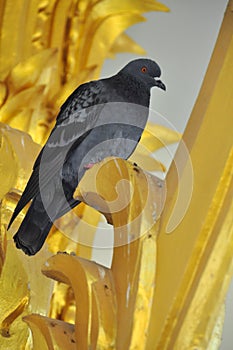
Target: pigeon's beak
{"type": "Point", "coordinates": [160, 84]}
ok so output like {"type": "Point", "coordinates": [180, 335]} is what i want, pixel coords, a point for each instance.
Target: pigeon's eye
{"type": "Point", "coordinates": [144, 69]}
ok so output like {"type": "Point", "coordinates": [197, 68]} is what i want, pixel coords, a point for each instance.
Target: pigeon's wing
{"type": "Point", "coordinates": [75, 120]}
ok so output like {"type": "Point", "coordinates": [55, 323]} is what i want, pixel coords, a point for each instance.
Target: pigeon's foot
{"type": "Point", "coordinates": [89, 165]}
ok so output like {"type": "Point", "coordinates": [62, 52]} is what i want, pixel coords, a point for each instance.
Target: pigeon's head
{"type": "Point", "coordinates": [146, 71]}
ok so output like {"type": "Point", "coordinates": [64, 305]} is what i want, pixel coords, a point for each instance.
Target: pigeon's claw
{"type": "Point", "coordinates": [89, 165]}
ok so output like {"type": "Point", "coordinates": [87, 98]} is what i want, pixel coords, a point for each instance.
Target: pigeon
{"type": "Point", "coordinates": [99, 119]}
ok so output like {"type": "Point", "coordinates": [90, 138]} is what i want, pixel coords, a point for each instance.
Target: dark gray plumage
{"type": "Point", "coordinates": [99, 119]}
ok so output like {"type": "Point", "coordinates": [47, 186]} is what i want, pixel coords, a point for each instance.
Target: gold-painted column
{"type": "Point", "coordinates": [195, 259]}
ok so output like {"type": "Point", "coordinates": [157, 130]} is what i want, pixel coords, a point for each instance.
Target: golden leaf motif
{"type": "Point", "coordinates": [157, 136]}
{"type": "Point", "coordinates": [51, 334]}
{"type": "Point", "coordinates": [153, 138]}
{"type": "Point", "coordinates": [14, 304]}
{"type": "Point", "coordinates": [3, 93]}
{"type": "Point", "coordinates": [24, 75]}
{"type": "Point", "coordinates": [124, 43]}
{"type": "Point", "coordinates": [61, 45]}
{"type": "Point", "coordinates": [17, 154]}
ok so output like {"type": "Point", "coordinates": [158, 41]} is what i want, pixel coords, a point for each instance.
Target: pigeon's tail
{"type": "Point", "coordinates": [33, 231]}
{"type": "Point", "coordinates": [30, 238]}
{"type": "Point", "coordinates": [36, 225]}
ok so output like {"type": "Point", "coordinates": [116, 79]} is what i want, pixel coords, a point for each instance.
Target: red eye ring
{"type": "Point", "coordinates": [144, 69]}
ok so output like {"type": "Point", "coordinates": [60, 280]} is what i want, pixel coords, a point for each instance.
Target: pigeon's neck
{"type": "Point", "coordinates": [129, 89]}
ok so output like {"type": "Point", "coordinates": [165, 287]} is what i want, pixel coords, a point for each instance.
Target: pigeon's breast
{"type": "Point", "coordinates": [116, 133]}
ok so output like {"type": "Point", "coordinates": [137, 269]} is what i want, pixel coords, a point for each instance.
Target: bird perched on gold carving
{"type": "Point", "coordinates": [99, 119]}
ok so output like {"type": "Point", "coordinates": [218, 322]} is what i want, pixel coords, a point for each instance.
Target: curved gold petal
{"type": "Point", "coordinates": [14, 304]}
{"type": "Point", "coordinates": [77, 232]}
{"type": "Point", "coordinates": [9, 164]}
{"type": "Point", "coordinates": [3, 245]}
{"type": "Point", "coordinates": [3, 92]}
{"type": "Point", "coordinates": [26, 73]}
{"type": "Point", "coordinates": [145, 160]}
{"type": "Point", "coordinates": [157, 136]}
{"type": "Point", "coordinates": [43, 21]}
{"type": "Point", "coordinates": [12, 16]}
{"type": "Point", "coordinates": [132, 201]}
{"type": "Point", "coordinates": [114, 183]}
{"type": "Point", "coordinates": [94, 295]}
{"type": "Point", "coordinates": [216, 337]}
{"type": "Point", "coordinates": [101, 41]}
{"type": "Point", "coordinates": [21, 119]}
{"type": "Point", "coordinates": [84, 232]}
{"type": "Point", "coordinates": [62, 304]}
{"type": "Point", "coordinates": [18, 153]}
{"type": "Point", "coordinates": [51, 334]}
{"type": "Point", "coordinates": [110, 7]}
{"type": "Point", "coordinates": [61, 18]}
{"type": "Point", "coordinates": [25, 99]}
{"type": "Point", "coordinates": [124, 43]}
